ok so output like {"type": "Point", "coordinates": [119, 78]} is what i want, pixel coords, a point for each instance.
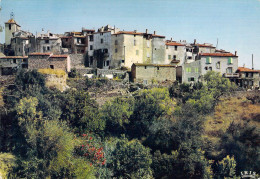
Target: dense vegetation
{"type": "Point", "coordinates": [154, 133]}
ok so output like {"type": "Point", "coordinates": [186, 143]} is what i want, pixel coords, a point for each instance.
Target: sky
{"type": "Point", "coordinates": [235, 23]}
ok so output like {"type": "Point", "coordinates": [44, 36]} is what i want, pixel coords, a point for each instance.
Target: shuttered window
{"type": "Point", "coordinates": [208, 60]}
{"type": "Point", "coordinates": [230, 60]}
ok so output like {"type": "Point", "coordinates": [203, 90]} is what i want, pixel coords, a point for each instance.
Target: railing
{"type": "Point", "coordinates": [231, 75]}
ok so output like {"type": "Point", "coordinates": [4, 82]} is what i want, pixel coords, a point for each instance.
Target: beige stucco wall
{"type": "Point", "coordinates": [8, 33]}
{"type": "Point", "coordinates": [153, 73]}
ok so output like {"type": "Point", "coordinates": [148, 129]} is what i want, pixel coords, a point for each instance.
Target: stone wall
{"type": "Point", "coordinates": [77, 60]}
{"type": "Point", "coordinates": [54, 81]}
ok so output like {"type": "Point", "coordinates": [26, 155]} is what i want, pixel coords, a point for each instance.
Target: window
{"type": "Point", "coordinates": [122, 61]}
{"type": "Point", "coordinates": [208, 60]}
{"type": "Point", "coordinates": [48, 48]}
{"type": "Point", "coordinates": [210, 68]}
{"type": "Point", "coordinates": [137, 52]}
{"type": "Point", "coordinates": [46, 41]}
{"type": "Point", "coordinates": [91, 60]}
{"type": "Point", "coordinates": [91, 38]}
{"type": "Point", "coordinates": [169, 57]}
{"type": "Point", "coordinates": [78, 41]}
{"type": "Point", "coordinates": [167, 47]}
{"type": "Point", "coordinates": [189, 58]}
{"type": "Point", "coordinates": [19, 50]}
{"type": "Point", "coordinates": [107, 63]}
{"type": "Point", "coordinates": [51, 66]}
{"type": "Point", "coordinates": [24, 60]}
{"type": "Point", "coordinates": [116, 50]}
{"type": "Point", "coordinates": [218, 65]}
{"type": "Point", "coordinates": [158, 68]}
{"type": "Point", "coordinates": [101, 41]}
{"type": "Point", "coordinates": [176, 47]}
{"type": "Point", "coordinates": [14, 60]}
{"type": "Point", "coordinates": [230, 60]}
{"type": "Point", "coordinates": [144, 67]}
{"type": "Point", "coordinates": [67, 40]}
{"type": "Point", "coordinates": [116, 42]}
{"type": "Point", "coordinates": [134, 42]}
{"type": "Point", "coordinates": [15, 40]}
{"type": "Point", "coordinates": [10, 26]}
{"type": "Point", "coordinates": [206, 68]}
{"type": "Point", "coordinates": [229, 70]}
{"type": "Point", "coordinates": [91, 47]}
{"type": "Point", "coordinates": [191, 79]}
{"type": "Point", "coordinates": [188, 69]}
{"type": "Point", "coordinates": [196, 70]}
{"type": "Point", "coordinates": [174, 57]}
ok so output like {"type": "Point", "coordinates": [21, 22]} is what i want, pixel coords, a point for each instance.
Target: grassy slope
{"type": "Point", "coordinates": [237, 109]}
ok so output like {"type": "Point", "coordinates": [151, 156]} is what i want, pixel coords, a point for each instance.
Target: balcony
{"type": "Point", "coordinates": [231, 75]}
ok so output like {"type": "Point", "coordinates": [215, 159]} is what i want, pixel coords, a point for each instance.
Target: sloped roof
{"type": "Point", "coordinates": [155, 65]}
{"type": "Point", "coordinates": [219, 54]}
{"type": "Point", "coordinates": [174, 44]}
{"type": "Point", "coordinates": [39, 54]}
{"type": "Point", "coordinates": [59, 56]}
{"type": "Point", "coordinates": [137, 33]}
{"type": "Point", "coordinates": [205, 45]}
{"type": "Point", "coordinates": [12, 21]}
{"type": "Point", "coordinates": [243, 69]}
{"type": "Point", "coordinates": [12, 57]}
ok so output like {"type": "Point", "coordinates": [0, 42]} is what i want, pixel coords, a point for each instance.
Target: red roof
{"type": "Point", "coordinates": [137, 33]}
{"type": "Point", "coordinates": [174, 44]}
{"type": "Point", "coordinates": [59, 56]}
{"type": "Point", "coordinates": [40, 54]}
{"type": "Point", "coordinates": [218, 54]}
{"type": "Point", "coordinates": [243, 69]}
{"type": "Point", "coordinates": [205, 45]}
{"type": "Point", "coordinates": [12, 57]}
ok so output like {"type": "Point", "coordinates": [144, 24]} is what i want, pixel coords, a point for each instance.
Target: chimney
{"type": "Point", "coordinates": [244, 65]}
{"type": "Point", "coordinates": [146, 31]}
{"type": "Point", "coordinates": [195, 41]}
{"type": "Point", "coordinates": [154, 32]}
{"type": "Point", "coordinates": [235, 53]}
{"type": "Point", "coordinates": [171, 39]}
{"type": "Point", "coordinates": [135, 31]}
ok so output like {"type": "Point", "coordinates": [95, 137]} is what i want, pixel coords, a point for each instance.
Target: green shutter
{"type": "Point", "coordinates": [208, 60]}
{"type": "Point", "coordinates": [230, 60]}
{"type": "Point", "coordinates": [188, 69]}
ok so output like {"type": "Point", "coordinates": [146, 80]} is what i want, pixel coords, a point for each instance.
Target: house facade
{"type": "Point", "coordinates": [248, 78]}
{"type": "Point", "coordinates": [224, 63]}
{"type": "Point", "coordinates": [48, 60]}
{"type": "Point", "coordinates": [10, 64]}
{"type": "Point", "coordinates": [151, 73]}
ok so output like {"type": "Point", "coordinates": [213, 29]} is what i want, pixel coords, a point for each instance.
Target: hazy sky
{"type": "Point", "coordinates": [236, 23]}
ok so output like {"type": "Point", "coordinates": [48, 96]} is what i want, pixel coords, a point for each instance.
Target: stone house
{"type": "Point", "coordinates": [48, 43]}
{"type": "Point", "coordinates": [248, 78]}
{"type": "Point", "coordinates": [10, 64]}
{"type": "Point", "coordinates": [48, 60]}
{"type": "Point", "coordinates": [23, 43]}
{"type": "Point", "coordinates": [130, 47]}
{"type": "Point", "coordinates": [224, 63]}
{"type": "Point", "coordinates": [150, 73]}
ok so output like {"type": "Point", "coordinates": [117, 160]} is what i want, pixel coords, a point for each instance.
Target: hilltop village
{"type": "Point", "coordinates": [143, 57]}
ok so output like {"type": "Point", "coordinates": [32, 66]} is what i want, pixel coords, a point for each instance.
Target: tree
{"type": "Point", "coordinates": [50, 145]}
{"type": "Point", "coordinates": [116, 114]}
{"type": "Point", "coordinates": [130, 159]}
{"type": "Point", "coordinates": [82, 113]}
{"type": "Point", "coordinates": [7, 163]}
{"type": "Point", "coordinates": [149, 106]}
{"type": "Point", "coordinates": [226, 167]}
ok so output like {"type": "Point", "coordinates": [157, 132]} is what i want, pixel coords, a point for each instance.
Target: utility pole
{"type": "Point", "coordinates": [252, 61]}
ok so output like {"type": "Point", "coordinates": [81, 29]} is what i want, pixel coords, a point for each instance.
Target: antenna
{"type": "Point", "coordinates": [12, 15]}
{"type": "Point", "coordinates": [252, 61]}
{"type": "Point", "coordinates": [217, 44]}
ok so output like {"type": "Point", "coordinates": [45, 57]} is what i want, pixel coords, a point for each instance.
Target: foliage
{"type": "Point", "coordinates": [130, 159]}
{"type": "Point", "coordinates": [226, 167]}
{"type": "Point", "coordinates": [73, 73]}
{"type": "Point", "coordinates": [242, 141]}
{"type": "Point", "coordinates": [82, 113]}
{"type": "Point", "coordinates": [57, 72]}
{"type": "Point", "coordinates": [7, 163]}
{"type": "Point", "coordinates": [116, 113]}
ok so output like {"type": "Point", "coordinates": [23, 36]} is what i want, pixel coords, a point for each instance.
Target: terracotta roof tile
{"type": "Point", "coordinates": [12, 21]}
{"type": "Point", "coordinates": [205, 45]}
{"type": "Point", "coordinates": [12, 57]}
{"type": "Point", "coordinates": [218, 54]}
{"type": "Point", "coordinates": [174, 44]}
{"type": "Point", "coordinates": [243, 69]}
{"type": "Point", "coordinates": [39, 54]}
{"type": "Point", "coordinates": [59, 56]}
{"type": "Point", "coordinates": [155, 65]}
